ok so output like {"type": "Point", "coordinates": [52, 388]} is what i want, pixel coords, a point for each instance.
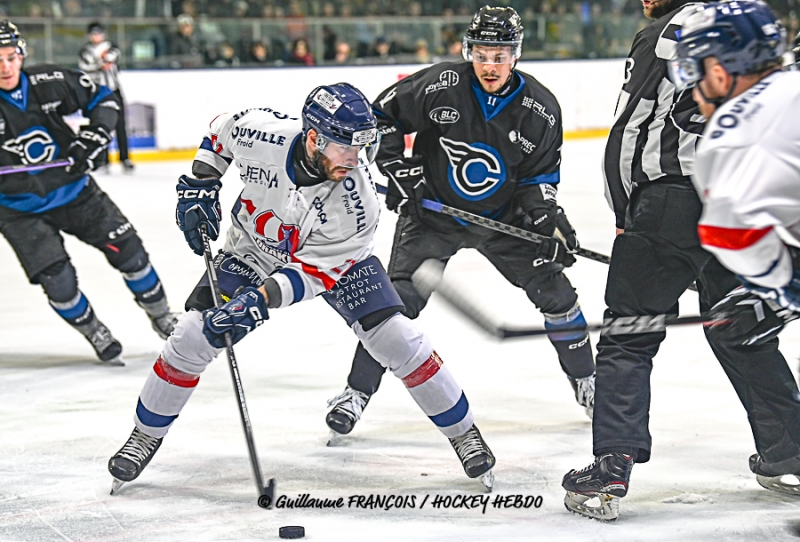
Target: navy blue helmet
{"type": "Point", "coordinates": [744, 36]}
{"type": "Point", "coordinates": [10, 37]}
{"type": "Point", "coordinates": [343, 119]}
{"type": "Point", "coordinates": [494, 27]}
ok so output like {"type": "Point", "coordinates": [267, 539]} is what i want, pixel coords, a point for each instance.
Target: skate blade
{"type": "Point", "coordinates": [781, 483]}
{"type": "Point", "coordinates": [116, 484]}
{"type": "Point", "coordinates": [113, 362]}
{"type": "Point", "coordinates": [335, 439]}
{"type": "Point", "coordinates": [487, 479]}
{"type": "Point", "coordinates": [606, 510]}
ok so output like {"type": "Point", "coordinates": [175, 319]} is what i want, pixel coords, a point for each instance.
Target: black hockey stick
{"type": "Point", "coordinates": [6, 170]}
{"type": "Point", "coordinates": [266, 494]}
{"type": "Point", "coordinates": [502, 227]}
{"type": "Point", "coordinates": [428, 278]}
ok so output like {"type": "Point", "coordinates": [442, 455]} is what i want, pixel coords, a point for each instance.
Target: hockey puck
{"type": "Point", "coordinates": [292, 531]}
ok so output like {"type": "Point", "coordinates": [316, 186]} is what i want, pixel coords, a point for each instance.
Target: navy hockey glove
{"type": "Point", "coordinates": [87, 152]}
{"type": "Point", "coordinates": [406, 185]}
{"type": "Point", "coordinates": [787, 297]}
{"type": "Point", "coordinates": [198, 203]}
{"type": "Point", "coordinates": [239, 316]}
{"type": "Point", "coordinates": [745, 318]}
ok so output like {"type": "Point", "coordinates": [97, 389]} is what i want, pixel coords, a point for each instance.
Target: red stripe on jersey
{"type": "Point", "coordinates": [171, 375]}
{"type": "Point", "coordinates": [424, 372]}
{"type": "Point", "coordinates": [730, 238]}
{"type": "Point", "coordinates": [316, 273]}
{"type": "Point", "coordinates": [249, 206]}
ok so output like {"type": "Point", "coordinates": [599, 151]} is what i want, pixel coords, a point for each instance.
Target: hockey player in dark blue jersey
{"type": "Point", "coordinates": [36, 207]}
{"type": "Point", "coordinates": [488, 141]}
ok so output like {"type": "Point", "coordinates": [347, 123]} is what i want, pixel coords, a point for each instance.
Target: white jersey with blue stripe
{"type": "Point", "coordinates": [304, 237]}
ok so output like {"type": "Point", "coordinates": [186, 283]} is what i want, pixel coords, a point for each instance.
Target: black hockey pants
{"type": "Point", "coordinates": [415, 241]}
{"type": "Point", "coordinates": [652, 263]}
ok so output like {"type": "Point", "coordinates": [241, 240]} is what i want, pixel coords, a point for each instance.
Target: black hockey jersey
{"type": "Point", "coordinates": [480, 150]}
{"type": "Point", "coordinates": [32, 130]}
{"type": "Point", "coordinates": [656, 129]}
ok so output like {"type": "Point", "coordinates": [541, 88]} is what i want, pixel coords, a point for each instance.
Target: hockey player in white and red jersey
{"type": "Point", "coordinates": [303, 226]}
{"type": "Point", "coordinates": [748, 176]}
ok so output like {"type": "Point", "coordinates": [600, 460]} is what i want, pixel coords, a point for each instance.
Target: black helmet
{"type": "Point", "coordinates": [494, 26]}
{"type": "Point", "coordinates": [10, 37]}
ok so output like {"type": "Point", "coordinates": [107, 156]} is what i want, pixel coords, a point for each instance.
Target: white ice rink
{"type": "Point", "coordinates": [62, 415]}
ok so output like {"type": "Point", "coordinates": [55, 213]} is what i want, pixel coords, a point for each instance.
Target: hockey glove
{"type": "Point", "coordinates": [744, 318]}
{"type": "Point", "coordinates": [787, 297]}
{"type": "Point", "coordinates": [198, 203]}
{"type": "Point", "coordinates": [239, 316]}
{"type": "Point", "coordinates": [87, 152]}
{"type": "Point", "coordinates": [406, 185]}
{"type": "Point", "coordinates": [540, 214]}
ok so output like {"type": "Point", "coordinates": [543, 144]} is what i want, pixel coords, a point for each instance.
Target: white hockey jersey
{"type": "Point", "coordinates": [305, 238]}
{"type": "Point", "coordinates": [748, 176]}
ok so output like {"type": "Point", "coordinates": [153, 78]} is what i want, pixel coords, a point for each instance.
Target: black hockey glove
{"type": "Point", "coordinates": [540, 214]}
{"type": "Point", "coordinates": [406, 185]}
{"type": "Point", "coordinates": [239, 316]}
{"type": "Point", "coordinates": [87, 152]}
{"type": "Point", "coordinates": [198, 203]}
{"type": "Point", "coordinates": [745, 318]}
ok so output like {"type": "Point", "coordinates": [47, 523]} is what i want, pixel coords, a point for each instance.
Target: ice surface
{"type": "Point", "coordinates": [62, 415]}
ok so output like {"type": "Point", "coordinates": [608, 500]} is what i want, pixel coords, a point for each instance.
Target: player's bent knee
{"type": "Point", "coordinates": [553, 294]}
{"type": "Point", "coordinates": [126, 254]}
{"type": "Point", "coordinates": [59, 282]}
{"type": "Point", "coordinates": [412, 299]}
{"type": "Point", "coordinates": [397, 343]}
{"type": "Point", "coordinates": [187, 349]}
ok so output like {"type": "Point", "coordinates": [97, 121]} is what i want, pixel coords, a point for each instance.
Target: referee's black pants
{"type": "Point", "coordinates": [652, 263]}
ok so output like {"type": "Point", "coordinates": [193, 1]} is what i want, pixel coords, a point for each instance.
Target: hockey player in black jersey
{"type": "Point", "coordinates": [649, 159]}
{"type": "Point", "coordinates": [488, 141]}
{"type": "Point", "coordinates": [36, 207]}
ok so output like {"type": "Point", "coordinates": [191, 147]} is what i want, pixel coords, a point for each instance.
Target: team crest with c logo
{"type": "Point", "coordinates": [476, 170]}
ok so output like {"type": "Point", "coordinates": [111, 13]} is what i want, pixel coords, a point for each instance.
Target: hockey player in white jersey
{"type": "Point", "coordinates": [303, 226]}
{"type": "Point", "coordinates": [748, 176]}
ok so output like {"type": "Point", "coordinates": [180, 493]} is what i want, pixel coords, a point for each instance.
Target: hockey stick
{"type": "Point", "coordinates": [428, 278]}
{"type": "Point", "coordinates": [502, 227]}
{"type": "Point", "coordinates": [7, 170]}
{"type": "Point", "coordinates": [266, 494]}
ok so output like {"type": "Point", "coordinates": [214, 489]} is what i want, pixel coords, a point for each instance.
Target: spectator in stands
{"type": "Point", "coordinates": [183, 48]}
{"type": "Point", "coordinates": [300, 53]}
{"type": "Point", "coordinates": [226, 56]}
{"type": "Point", "coordinates": [259, 53]}
{"type": "Point", "coordinates": [382, 49]}
{"type": "Point", "coordinates": [422, 54]}
{"type": "Point", "coordinates": [343, 52]}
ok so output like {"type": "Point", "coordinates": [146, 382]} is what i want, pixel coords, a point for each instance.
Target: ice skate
{"type": "Point", "coordinates": [129, 462]}
{"type": "Point", "coordinates": [127, 166]}
{"type": "Point", "coordinates": [781, 476]}
{"type": "Point", "coordinates": [107, 348]}
{"type": "Point", "coordinates": [476, 457]}
{"type": "Point", "coordinates": [584, 392]}
{"type": "Point", "coordinates": [606, 480]}
{"type": "Point", "coordinates": [162, 320]}
{"type": "Point", "coordinates": [347, 409]}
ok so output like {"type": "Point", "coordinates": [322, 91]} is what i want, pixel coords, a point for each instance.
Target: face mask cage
{"type": "Point", "coordinates": [360, 154]}
{"type": "Point", "coordinates": [491, 52]}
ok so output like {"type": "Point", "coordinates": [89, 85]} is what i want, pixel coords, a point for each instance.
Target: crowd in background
{"type": "Point", "coordinates": [218, 33]}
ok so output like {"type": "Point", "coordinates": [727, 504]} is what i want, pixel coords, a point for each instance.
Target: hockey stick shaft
{"type": "Point", "coordinates": [263, 491]}
{"type": "Point", "coordinates": [428, 278]}
{"type": "Point", "coordinates": [7, 170]}
{"type": "Point", "coordinates": [501, 227]}
{"type": "Point", "coordinates": [504, 228]}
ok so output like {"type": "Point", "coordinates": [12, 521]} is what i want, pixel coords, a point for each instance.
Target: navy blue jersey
{"type": "Point", "coordinates": [481, 150]}
{"type": "Point", "coordinates": [32, 131]}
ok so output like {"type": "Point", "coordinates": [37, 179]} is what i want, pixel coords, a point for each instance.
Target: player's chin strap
{"type": "Point", "coordinates": [717, 102]}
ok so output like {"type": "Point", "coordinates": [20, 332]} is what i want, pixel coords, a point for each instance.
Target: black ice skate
{"type": "Point", "coordinates": [606, 479]}
{"type": "Point", "coordinates": [161, 318]}
{"type": "Point", "coordinates": [346, 411]}
{"type": "Point", "coordinates": [476, 457]}
{"type": "Point", "coordinates": [129, 462]}
{"type": "Point", "coordinates": [781, 476]}
{"type": "Point", "coordinates": [107, 348]}
{"type": "Point", "coordinates": [584, 393]}
{"type": "Point", "coordinates": [127, 166]}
